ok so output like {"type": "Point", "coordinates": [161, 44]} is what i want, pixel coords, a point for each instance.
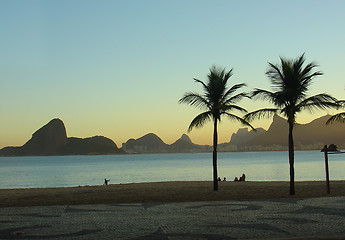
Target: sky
{"type": "Point", "coordinates": [118, 68]}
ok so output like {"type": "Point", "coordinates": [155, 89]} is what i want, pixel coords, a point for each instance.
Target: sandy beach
{"type": "Point", "coordinates": [164, 192]}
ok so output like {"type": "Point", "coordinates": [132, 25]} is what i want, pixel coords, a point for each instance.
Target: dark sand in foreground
{"type": "Point", "coordinates": [164, 192]}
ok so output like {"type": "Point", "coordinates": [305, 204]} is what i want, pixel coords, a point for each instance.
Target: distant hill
{"type": "Point", "coordinates": [185, 144]}
{"type": "Point", "coordinates": [313, 135]}
{"type": "Point", "coordinates": [52, 140]}
{"type": "Point", "coordinates": [310, 136]}
{"type": "Point", "coordinates": [318, 133]}
{"type": "Point", "coordinates": [151, 143]}
{"type": "Point", "coordinates": [86, 146]}
{"type": "Point", "coordinates": [146, 144]}
{"type": "Point", "coordinates": [277, 134]}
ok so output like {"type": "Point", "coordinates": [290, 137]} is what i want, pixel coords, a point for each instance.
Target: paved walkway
{"type": "Point", "coordinates": [275, 219]}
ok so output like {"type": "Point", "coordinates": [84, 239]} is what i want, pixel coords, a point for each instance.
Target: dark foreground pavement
{"type": "Point", "coordinates": [315, 218]}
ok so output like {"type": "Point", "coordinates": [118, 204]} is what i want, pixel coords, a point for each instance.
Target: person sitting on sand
{"type": "Point", "coordinates": [236, 179]}
{"type": "Point", "coordinates": [224, 179]}
{"type": "Point", "coordinates": [243, 178]}
{"type": "Point", "coordinates": [219, 179]}
{"type": "Point", "coordinates": [106, 181]}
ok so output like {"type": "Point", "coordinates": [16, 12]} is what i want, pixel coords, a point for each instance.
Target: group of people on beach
{"type": "Point", "coordinates": [218, 179]}
{"type": "Point", "coordinates": [242, 178]}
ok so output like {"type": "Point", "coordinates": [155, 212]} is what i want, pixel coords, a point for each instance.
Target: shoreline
{"type": "Point", "coordinates": [147, 153]}
{"type": "Point", "coordinates": [174, 191]}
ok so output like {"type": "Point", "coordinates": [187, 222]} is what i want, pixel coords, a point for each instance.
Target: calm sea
{"type": "Point", "coordinates": [64, 171]}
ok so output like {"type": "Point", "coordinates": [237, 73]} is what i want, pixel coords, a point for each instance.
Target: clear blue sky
{"type": "Point", "coordinates": [118, 68]}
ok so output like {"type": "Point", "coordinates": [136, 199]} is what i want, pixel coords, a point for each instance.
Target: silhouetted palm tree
{"type": "Point", "coordinates": [290, 82]}
{"type": "Point", "coordinates": [217, 100]}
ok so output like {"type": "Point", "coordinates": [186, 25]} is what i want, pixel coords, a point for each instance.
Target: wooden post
{"type": "Point", "coordinates": [326, 167]}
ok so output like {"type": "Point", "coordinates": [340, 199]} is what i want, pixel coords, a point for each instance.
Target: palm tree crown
{"type": "Point", "coordinates": [217, 100]}
{"type": "Point", "coordinates": [290, 82]}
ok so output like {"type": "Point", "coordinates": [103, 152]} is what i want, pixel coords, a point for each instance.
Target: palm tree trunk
{"type": "Point", "coordinates": [215, 143]}
{"type": "Point", "coordinates": [291, 159]}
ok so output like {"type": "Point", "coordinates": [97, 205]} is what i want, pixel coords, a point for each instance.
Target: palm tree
{"type": "Point", "coordinates": [217, 100]}
{"type": "Point", "coordinates": [290, 81]}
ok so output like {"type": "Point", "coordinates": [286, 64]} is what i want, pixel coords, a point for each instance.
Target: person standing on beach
{"type": "Point", "coordinates": [106, 181]}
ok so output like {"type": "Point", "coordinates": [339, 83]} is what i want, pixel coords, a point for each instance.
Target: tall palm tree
{"type": "Point", "coordinates": [217, 100]}
{"type": "Point", "coordinates": [290, 82]}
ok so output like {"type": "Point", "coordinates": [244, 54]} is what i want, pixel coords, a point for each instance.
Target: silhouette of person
{"type": "Point", "coordinates": [243, 177]}
{"type": "Point", "coordinates": [219, 179]}
{"type": "Point", "coordinates": [224, 179]}
{"type": "Point", "coordinates": [106, 181]}
{"type": "Point", "coordinates": [236, 179]}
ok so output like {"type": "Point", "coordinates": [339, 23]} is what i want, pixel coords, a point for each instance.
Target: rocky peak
{"type": "Point", "coordinates": [244, 135]}
{"type": "Point", "coordinates": [47, 139]}
{"type": "Point", "coordinates": [51, 139]}
{"type": "Point", "coordinates": [278, 124]}
{"type": "Point", "coordinates": [185, 138]}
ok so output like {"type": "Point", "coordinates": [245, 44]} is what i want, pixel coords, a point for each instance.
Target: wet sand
{"type": "Point", "coordinates": [165, 192]}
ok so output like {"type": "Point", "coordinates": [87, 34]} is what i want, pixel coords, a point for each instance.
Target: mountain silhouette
{"type": "Point", "coordinates": [51, 139]}
{"type": "Point", "coordinates": [185, 144]}
{"type": "Point", "coordinates": [313, 135]}
{"type": "Point", "coordinates": [151, 143]}
{"type": "Point", "coordinates": [47, 139]}
{"type": "Point", "coordinates": [275, 135]}
{"type": "Point", "coordinates": [87, 146]}
{"type": "Point", "coordinates": [243, 135]}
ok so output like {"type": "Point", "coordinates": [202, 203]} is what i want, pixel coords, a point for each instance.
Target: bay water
{"type": "Point", "coordinates": [66, 171]}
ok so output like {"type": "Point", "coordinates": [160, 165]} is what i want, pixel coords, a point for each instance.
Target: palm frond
{"type": "Point", "coordinates": [261, 113]}
{"type": "Point", "coordinates": [239, 119]}
{"type": "Point", "coordinates": [232, 90]}
{"type": "Point", "coordinates": [200, 120]}
{"type": "Point", "coordinates": [340, 117]}
{"type": "Point", "coordinates": [206, 88]}
{"type": "Point", "coordinates": [236, 98]}
{"type": "Point", "coordinates": [194, 99]}
{"type": "Point", "coordinates": [262, 94]}
{"type": "Point", "coordinates": [320, 101]}
{"type": "Point", "coordinates": [229, 107]}
{"type": "Point", "coordinates": [275, 75]}
{"type": "Point", "coordinates": [217, 72]}
{"type": "Point", "coordinates": [305, 73]}
{"type": "Point", "coordinates": [341, 103]}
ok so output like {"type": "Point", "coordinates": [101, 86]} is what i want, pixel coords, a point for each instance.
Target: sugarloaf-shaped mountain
{"type": "Point", "coordinates": [52, 140]}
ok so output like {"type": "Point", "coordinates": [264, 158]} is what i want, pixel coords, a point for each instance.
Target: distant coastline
{"type": "Point", "coordinates": [51, 140]}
